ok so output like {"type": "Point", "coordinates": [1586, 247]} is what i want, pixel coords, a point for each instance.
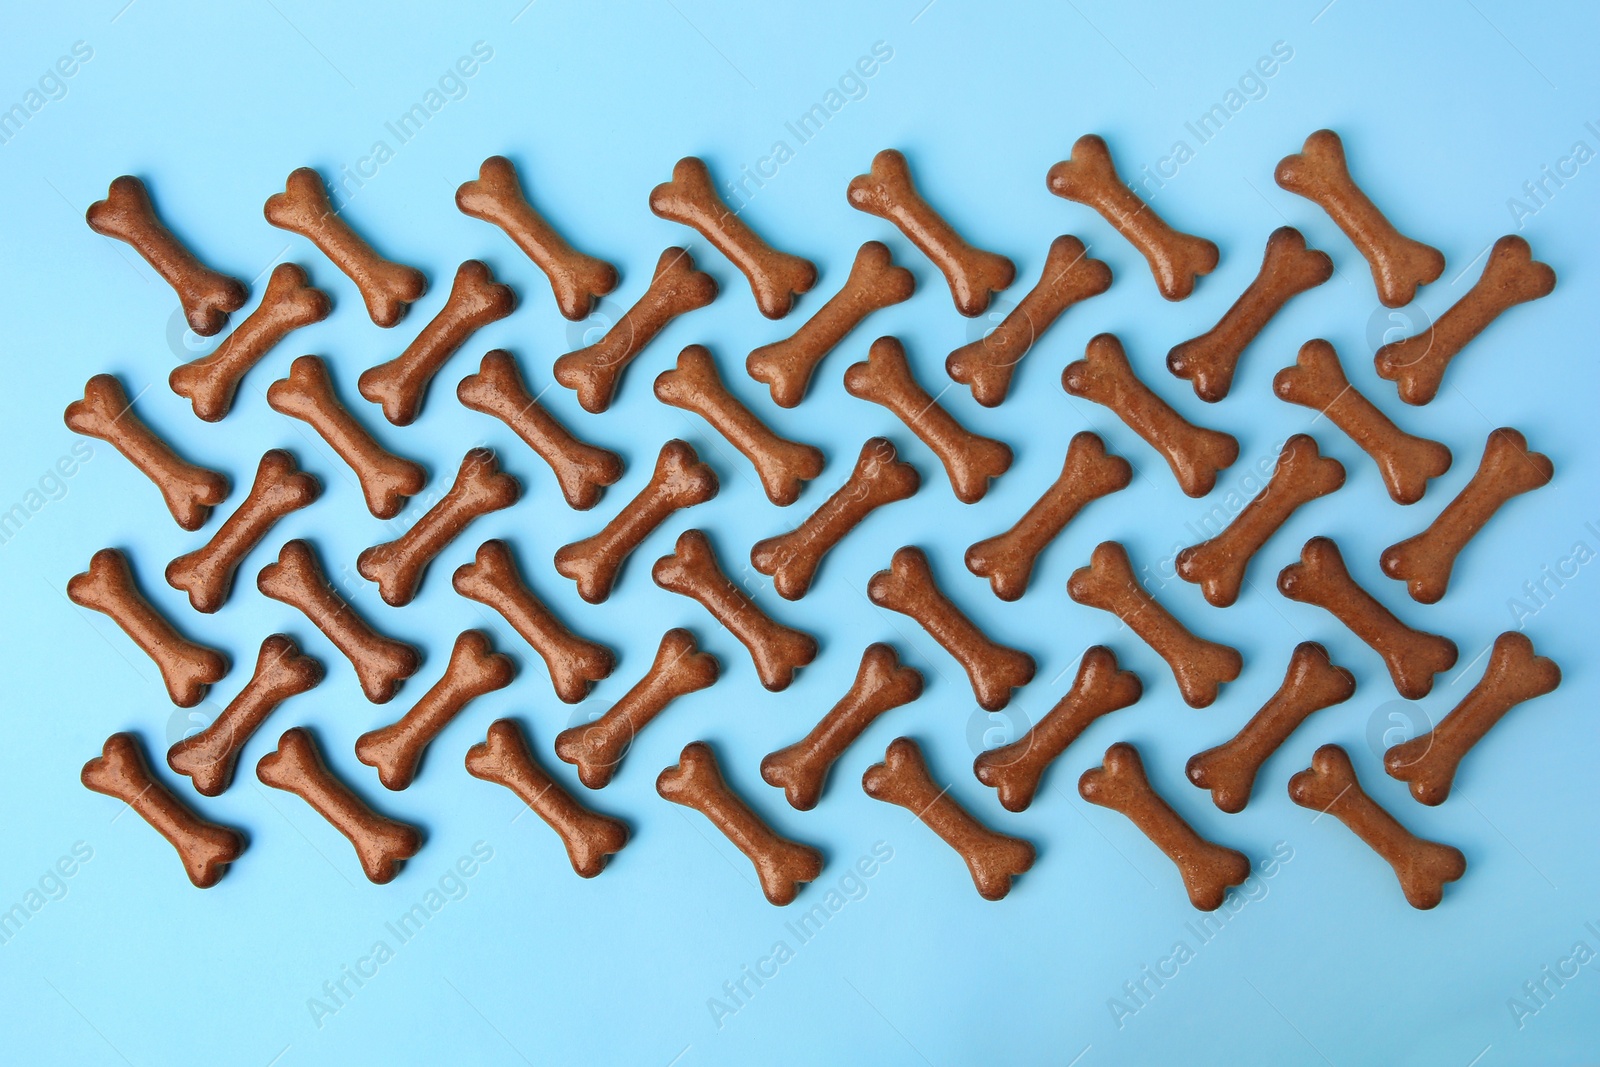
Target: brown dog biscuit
{"type": "Point", "coordinates": [575, 663]}
{"type": "Point", "coordinates": [398, 566]}
{"type": "Point", "coordinates": [1423, 867]}
{"type": "Point", "coordinates": [381, 663]}
{"type": "Point", "coordinates": [1088, 473]}
{"type": "Point", "coordinates": [496, 197]}
{"type": "Point", "coordinates": [987, 364]}
{"type": "Point", "coordinates": [676, 288]}
{"type": "Point", "coordinates": [382, 844]}
{"type": "Point", "coordinates": [1413, 657]}
{"type": "Point", "coordinates": [908, 587]}
{"type": "Point", "coordinates": [1089, 177]}
{"type": "Point", "coordinates": [208, 757]}
{"type": "Point", "coordinates": [1208, 869]}
{"type": "Point", "coordinates": [589, 837]}
{"type": "Point", "coordinates": [1424, 562]}
{"type": "Point", "coordinates": [475, 301]}
{"type": "Point", "coordinates": [1405, 461]}
{"type": "Point", "coordinates": [1100, 688]}
{"type": "Point", "coordinates": [188, 669]}
{"type": "Point", "coordinates": [1399, 264]}
{"type": "Point", "coordinates": [874, 283]}
{"type": "Point", "coordinates": [1311, 683]}
{"type": "Point", "coordinates": [596, 748]}
{"type": "Point", "coordinates": [290, 302]}
{"type": "Point", "coordinates": [970, 459]}
{"type": "Point", "coordinates": [791, 559]}
{"type": "Point", "coordinates": [888, 192]}
{"type": "Point", "coordinates": [205, 848]}
{"type": "Point", "coordinates": [105, 412]}
{"type": "Point", "coordinates": [1194, 453]}
{"type": "Point", "coordinates": [1218, 565]}
{"type": "Point", "coordinates": [783, 466]}
{"type": "Point", "coordinates": [303, 207]}
{"type": "Point", "coordinates": [692, 570]}
{"type": "Point", "coordinates": [1511, 276]}
{"type": "Point", "coordinates": [206, 574]}
{"type": "Point", "coordinates": [474, 669]}
{"type": "Point", "coordinates": [1514, 675]}
{"type": "Point", "coordinates": [1288, 268]}
{"type": "Point", "coordinates": [128, 215]}
{"type": "Point", "coordinates": [992, 858]}
{"type": "Point", "coordinates": [882, 683]}
{"type": "Point", "coordinates": [307, 394]}
{"type": "Point", "coordinates": [776, 278]}
{"type": "Point", "coordinates": [1200, 667]}
{"type": "Point", "coordinates": [680, 480]}
{"type": "Point", "coordinates": [582, 470]}
{"type": "Point", "coordinates": [782, 865]}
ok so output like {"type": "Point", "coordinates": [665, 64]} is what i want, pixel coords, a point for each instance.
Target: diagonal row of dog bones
{"type": "Point", "coordinates": [1195, 454]}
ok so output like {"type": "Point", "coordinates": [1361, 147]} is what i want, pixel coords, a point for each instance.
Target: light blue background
{"type": "Point", "coordinates": [1446, 110]}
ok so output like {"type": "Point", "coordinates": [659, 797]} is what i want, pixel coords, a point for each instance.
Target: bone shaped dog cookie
{"type": "Point", "coordinates": [888, 192]}
{"type": "Point", "coordinates": [1089, 177]}
{"type": "Point", "coordinates": [782, 865]}
{"type": "Point", "coordinates": [1200, 667]}
{"type": "Point", "coordinates": [791, 559]}
{"type": "Point", "coordinates": [1311, 683]}
{"type": "Point", "coordinates": [801, 769]}
{"type": "Point", "coordinates": [105, 412]}
{"type": "Point", "coordinates": [692, 570]}
{"type": "Point", "coordinates": [381, 663]}
{"type": "Point", "coordinates": [676, 288]}
{"type": "Point", "coordinates": [1511, 276]}
{"type": "Point", "coordinates": [987, 364]}
{"type": "Point", "coordinates": [680, 480]}
{"type": "Point", "coordinates": [1194, 453]}
{"type": "Point", "coordinates": [589, 837]}
{"type": "Point", "coordinates": [970, 459]}
{"type": "Point", "coordinates": [475, 301]}
{"type": "Point", "coordinates": [382, 844]}
{"type": "Point", "coordinates": [307, 394]}
{"type": "Point", "coordinates": [187, 668]}
{"type": "Point", "coordinates": [1088, 473]}
{"type": "Point", "coordinates": [128, 215]}
{"type": "Point", "coordinates": [290, 302]}
{"type": "Point", "coordinates": [1399, 264]}
{"type": "Point", "coordinates": [1424, 562]}
{"type": "Point", "coordinates": [993, 859]}
{"type": "Point", "coordinates": [582, 470]}
{"type": "Point", "coordinates": [776, 278]}
{"type": "Point", "coordinates": [1208, 869]}
{"type": "Point", "coordinates": [208, 757]}
{"type": "Point", "coordinates": [1423, 867]}
{"type": "Point", "coordinates": [303, 207]}
{"type": "Point", "coordinates": [575, 663]}
{"type": "Point", "coordinates": [397, 566]}
{"type": "Point", "coordinates": [1413, 657]}
{"type": "Point", "coordinates": [205, 848]}
{"type": "Point", "coordinates": [1405, 461]}
{"type": "Point", "coordinates": [783, 466]}
{"type": "Point", "coordinates": [908, 588]}
{"type": "Point", "coordinates": [206, 574]}
{"type": "Point", "coordinates": [874, 283]}
{"type": "Point", "coordinates": [496, 197]}
{"type": "Point", "coordinates": [1514, 675]}
{"type": "Point", "coordinates": [1100, 688]}
{"type": "Point", "coordinates": [474, 669]}
{"type": "Point", "coordinates": [597, 748]}
{"type": "Point", "coordinates": [1218, 565]}
{"type": "Point", "coordinates": [1288, 268]}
